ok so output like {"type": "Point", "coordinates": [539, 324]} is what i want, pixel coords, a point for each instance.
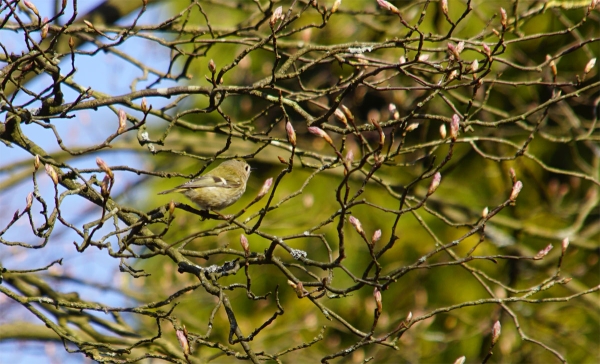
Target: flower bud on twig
{"type": "Point", "coordinates": [183, 341]}
{"type": "Point", "coordinates": [388, 6]}
{"type": "Point", "coordinates": [291, 133]}
{"type": "Point", "coordinates": [36, 162]}
{"type": "Point", "coordinates": [335, 6]}
{"type": "Point", "coordinates": [320, 133]}
{"type": "Point", "coordinates": [460, 360]}
{"type": "Point", "coordinates": [435, 183]}
{"type": "Point", "coordinates": [32, 7]}
{"type": "Point", "coordinates": [339, 114]}
{"type": "Point", "coordinates": [211, 66]}
{"type": "Point", "coordinates": [515, 190]}
{"type": "Point", "coordinates": [377, 296]}
{"type": "Point", "coordinates": [443, 131]}
{"type": "Point", "coordinates": [445, 7]}
{"type": "Point", "coordinates": [503, 18]}
{"type": "Point", "coordinates": [29, 200]}
{"type": "Point", "coordinates": [171, 208]}
{"type": "Point", "coordinates": [265, 188]}
{"type": "Point", "coordinates": [52, 173]}
{"type": "Point", "coordinates": [376, 236]}
{"type": "Point", "coordinates": [277, 14]}
{"type": "Point", "coordinates": [588, 67]}
{"type": "Point", "coordinates": [45, 29]}
{"type": "Point", "coordinates": [356, 223]}
{"type": "Point", "coordinates": [122, 121]}
{"type": "Point", "coordinates": [104, 167]}
{"type": "Point", "coordinates": [565, 245]}
{"type": "Point", "coordinates": [496, 331]}
{"type": "Point", "coordinates": [542, 253]}
{"type": "Point", "coordinates": [105, 186]}
{"type": "Point", "coordinates": [144, 105]}
{"type": "Point", "coordinates": [244, 243]}
{"type": "Point", "coordinates": [485, 212]}
{"type": "Point", "coordinates": [454, 126]}
{"type": "Point", "coordinates": [487, 50]}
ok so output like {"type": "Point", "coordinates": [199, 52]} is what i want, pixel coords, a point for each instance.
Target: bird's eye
{"type": "Point", "coordinates": [247, 168]}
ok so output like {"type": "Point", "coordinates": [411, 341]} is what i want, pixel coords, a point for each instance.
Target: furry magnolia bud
{"type": "Point", "coordinates": [435, 183]}
{"type": "Point", "coordinates": [291, 133]}
{"type": "Point", "coordinates": [320, 133]}
{"type": "Point", "coordinates": [356, 223]}
{"type": "Point", "coordinates": [515, 190]}
{"type": "Point", "coordinates": [496, 330]}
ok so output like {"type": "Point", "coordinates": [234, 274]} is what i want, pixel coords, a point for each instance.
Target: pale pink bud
{"type": "Point", "coordinates": [588, 67]}
{"type": "Point", "coordinates": [409, 317]}
{"type": "Point", "coordinates": [277, 14]}
{"type": "Point", "coordinates": [542, 253]}
{"type": "Point", "coordinates": [377, 296]}
{"type": "Point", "coordinates": [36, 162]}
{"type": "Point", "coordinates": [356, 223]}
{"type": "Point", "coordinates": [29, 200]}
{"type": "Point", "coordinates": [496, 331]}
{"type": "Point", "coordinates": [211, 66]}
{"type": "Point", "coordinates": [485, 212]}
{"type": "Point", "coordinates": [565, 245]}
{"type": "Point", "coordinates": [122, 121]}
{"type": "Point", "coordinates": [435, 183]}
{"type": "Point", "coordinates": [487, 50]}
{"type": "Point", "coordinates": [474, 65]}
{"type": "Point", "coordinates": [104, 167]}
{"type": "Point", "coordinates": [454, 126]}
{"type": "Point", "coordinates": [183, 341]}
{"type": "Point", "coordinates": [515, 190]}
{"type": "Point", "coordinates": [460, 360]}
{"type": "Point", "coordinates": [445, 7]}
{"type": "Point", "coordinates": [402, 60]}
{"type": "Point", "coordinates": [460, 46]}
{"type": "Point", "coordinates": [45, 29]}
{"type": "Point", "coordinates": [503, 17]}
{"type": "Point", "coordinates": [376, 236]}
{"type": "Point", "coordinates": [423, 57]}
{"type": "Point", "coordinates": [392, 108]}
{"type": "Point", "coordinates": [335, 6]}
{"type": "Point", "coordinates": [291, 133]}
{"type": "Point", "coordinates": [32, 7]}
{"type": "Point", "coordinates": [412, 127]}
{"type": "Point", "coordinates": [244, 243]}
{"type": "Point", "coordinates": [144, 105]}
{"type": "Point", "coordinates": [443, 131]}
{"type": "Point", "coordinates": [52, 173]}
{"type": "Point", "coordinates": [388, 6]}
{"type": "Point", "coordinates": [265, 188]}
{"type": "Point", "coordinates": [320, 133]}
{"type": "Point", "coordinates": [339, 114]}
{"type": "Point", "coordinates": [349, 156]}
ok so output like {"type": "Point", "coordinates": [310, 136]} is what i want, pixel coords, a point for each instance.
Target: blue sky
{"type": "Point", "coordinates": [106, 73]}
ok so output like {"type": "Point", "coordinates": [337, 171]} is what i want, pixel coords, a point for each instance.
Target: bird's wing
{"type": "Point", "coordinates": [208, 181]}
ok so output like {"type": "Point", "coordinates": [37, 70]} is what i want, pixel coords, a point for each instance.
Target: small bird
{"type": "Point", "coordinates": [218, 188]}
